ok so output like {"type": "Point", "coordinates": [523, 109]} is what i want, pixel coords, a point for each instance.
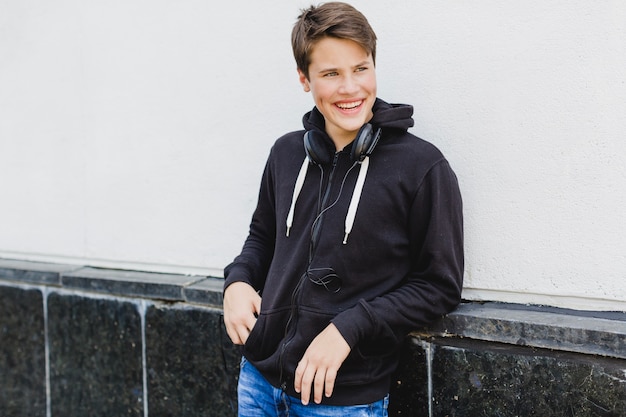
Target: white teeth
{"type": "Point", "coordinates": [348, 106]}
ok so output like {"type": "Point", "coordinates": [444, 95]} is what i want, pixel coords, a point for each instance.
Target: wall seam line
{"type": "Point", "coordinates": [45, 291]}
{"type": "Point", "coordinates": [142, 314]}
{"type": "Point", "coordinates": [428, 350]}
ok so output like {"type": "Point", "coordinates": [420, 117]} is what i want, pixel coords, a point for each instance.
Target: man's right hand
{"type": "Point", "coordinates": [242, 305]}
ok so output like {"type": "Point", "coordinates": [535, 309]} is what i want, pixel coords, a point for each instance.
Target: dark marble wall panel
{"type": "Point", "coordinates": [95, 357]}
{"type": "Point", "coordinates": [409, 389]}
{"type": "Point", "coordinates": [484, 359]}
{"type": "Point", "coordinates": [483, 381]}
{"type": "Point", "coordinates": [192, 366]}
{"type": "Point", "coordinates": [22, 353]}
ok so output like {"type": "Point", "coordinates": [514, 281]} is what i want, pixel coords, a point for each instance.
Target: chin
{"type": "Point", "coordinates": [354, 126]}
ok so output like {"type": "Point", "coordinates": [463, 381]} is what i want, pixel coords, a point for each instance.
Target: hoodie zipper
{"type": "Point", "coordinates": [295, 296]}
{"type": "Point", "coordinates": [317, 225]}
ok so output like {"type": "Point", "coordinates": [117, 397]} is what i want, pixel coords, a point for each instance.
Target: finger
{"type": "Point", "coordinates": [234, 336]}
{"type": "Point", "coordinates": [306, 384]}
{"type": "Point", "coordinates": [250, 323]}
{"type": "Point", "coordinates": [237, 330]}
{"type": "Point", "coordinates": [329, 383]}
{"type": "Point", "coordinates": [246, 329]}
{"type": "Point", "coordinates": [257, 305]}
{"type": "Point", "coordinates": [238, 335]}
{"type": "Point", "coordinates": [297, 383]}
{"type": "Point", "coordinates": [232, 333]}
{"type": "Point", "coordinates": [318, 386]}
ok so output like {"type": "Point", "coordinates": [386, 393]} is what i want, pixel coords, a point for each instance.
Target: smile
{"type": "Point", "coordinates": [349, 106]}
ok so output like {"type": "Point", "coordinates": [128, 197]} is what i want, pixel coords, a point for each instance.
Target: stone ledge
{"type": "Point", "coordinates": [594, 333]}
{"type": "Point", "coordinates": [170, 287]}
{"type": "Point", "coordinates": [207, 291]}
{"type": "Point", "coordinates": [34, 272]}
{"type": "Point", "coordinates": [129, 283]}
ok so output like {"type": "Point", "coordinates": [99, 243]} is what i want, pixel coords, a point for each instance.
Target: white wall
{"type": "Point", "coordinates": [133, 133]}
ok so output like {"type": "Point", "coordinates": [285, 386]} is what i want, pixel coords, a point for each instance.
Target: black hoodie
{"type": "Point", "coordinates": [400, 268]}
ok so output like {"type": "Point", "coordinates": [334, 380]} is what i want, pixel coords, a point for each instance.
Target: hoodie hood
{"type": "Point", "coordinates": [386, 116]}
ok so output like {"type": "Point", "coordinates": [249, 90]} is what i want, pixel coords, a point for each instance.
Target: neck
{"type": "Point", "coordinates": [341, 143]}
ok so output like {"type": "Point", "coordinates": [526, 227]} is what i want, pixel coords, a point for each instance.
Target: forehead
{"type": "Point", "coordinates": [334, 52]}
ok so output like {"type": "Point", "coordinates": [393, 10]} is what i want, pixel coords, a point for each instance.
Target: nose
{"type": "Point", "coordinates": [349, 85]}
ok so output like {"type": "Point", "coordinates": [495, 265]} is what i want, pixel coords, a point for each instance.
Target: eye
{"type": "Point", "coordinates": [331, 74]}
{"type": "Point", "coordinates": [361, 69]}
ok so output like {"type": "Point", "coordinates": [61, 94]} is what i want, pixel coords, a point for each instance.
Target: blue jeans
{"type": "Point", "coordinates": [258, 398]}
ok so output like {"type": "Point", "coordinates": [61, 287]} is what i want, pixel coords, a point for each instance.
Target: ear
{"type": "Point", "coordinates": [304, 81]}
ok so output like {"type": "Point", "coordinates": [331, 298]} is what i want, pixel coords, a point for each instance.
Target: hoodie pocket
{"type": "Point", "coordinates": [369, 361]}
{"type": "Point", "coordinates": [265, 336]}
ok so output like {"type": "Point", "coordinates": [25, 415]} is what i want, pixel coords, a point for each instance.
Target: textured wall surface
{"type": "Point", "coordinates": [133, 134]}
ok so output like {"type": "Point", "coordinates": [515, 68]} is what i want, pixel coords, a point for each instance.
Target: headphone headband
{"type": "Point", "coordinates": [320, 152]}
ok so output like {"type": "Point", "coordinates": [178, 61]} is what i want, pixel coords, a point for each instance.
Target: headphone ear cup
{"type": "Point", "coordinates": [316, 149]}
{"type": "Point", "coordinates": [364, 143]}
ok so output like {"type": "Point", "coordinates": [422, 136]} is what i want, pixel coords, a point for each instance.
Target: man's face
{"type": "Point", "coordinates": [342, 80]}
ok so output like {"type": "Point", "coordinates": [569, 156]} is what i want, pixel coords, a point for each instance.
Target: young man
{"type": "Point", "coordinates": [356, 240]}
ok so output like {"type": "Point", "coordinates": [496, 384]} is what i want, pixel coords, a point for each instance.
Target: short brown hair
{"type": "Point", "coordinates": [334, 19]}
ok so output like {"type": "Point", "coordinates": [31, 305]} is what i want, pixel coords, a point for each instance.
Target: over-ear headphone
{"type": "Point", "coordinates": [321, 152]}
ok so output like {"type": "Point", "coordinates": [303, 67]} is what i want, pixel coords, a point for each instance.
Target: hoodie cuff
{"type": "Point", "coordinates": [354, 324]}
{"type": "Point", "coordinates": [236, 273]}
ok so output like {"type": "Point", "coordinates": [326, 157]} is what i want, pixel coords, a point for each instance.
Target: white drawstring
{"type": "Point", "coordinates": [354, 201]}
{"type": "Point", "coordinates": [356, 196]}
{"type": "Point", "coordinates": [296, 192]}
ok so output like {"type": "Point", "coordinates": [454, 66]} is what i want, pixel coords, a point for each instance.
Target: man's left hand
{"type": "Point", "coordinates": [318, 367]}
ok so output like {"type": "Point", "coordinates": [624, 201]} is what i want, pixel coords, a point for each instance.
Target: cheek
{"type": "Point", "coordinates": [371, 83]}
{"type": "Point", "coordinates": [321, 100]}
{"type": "Point", "coordinates": [322, 92]}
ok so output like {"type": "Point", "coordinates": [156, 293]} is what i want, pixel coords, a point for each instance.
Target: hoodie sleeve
{"type": "Point", "coordinates": [252, 264]}
{"type": "Point", "coordinates": [433, 286]}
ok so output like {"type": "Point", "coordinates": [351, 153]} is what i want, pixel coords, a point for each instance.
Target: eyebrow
{"type": "Point", "coordinates": [360, 64]}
